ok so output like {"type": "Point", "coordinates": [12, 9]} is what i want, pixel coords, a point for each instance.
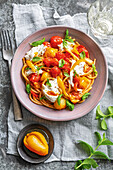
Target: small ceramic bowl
{"type": "Point", "coordinates": [25, 153]}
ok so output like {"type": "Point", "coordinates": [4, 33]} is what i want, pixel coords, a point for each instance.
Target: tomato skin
{"type": "Point", "coordinates": [46, 43]}
{"type": "Point", "coordinates": [59, 55]}
{"type": "Point", "coordinates": [67, 56]}
{"type": "Point", "coordinates": [50, 61]}
{"type": "Point", "coordinates": [33, 77]}
{"type": "Point", "coordinates": [55, 71]}
{"type": "Point", "coordinates": [66, 66]}
{"type": "Point", "coordinates": [55, 41]}
{"type": "Point", "coordinates": [81, 48]}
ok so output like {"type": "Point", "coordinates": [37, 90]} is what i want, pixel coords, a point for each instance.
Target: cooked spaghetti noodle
{"type": "Point", "coordinates": [58, 73]}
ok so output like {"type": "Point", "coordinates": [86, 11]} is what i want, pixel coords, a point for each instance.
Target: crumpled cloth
{"type": "Point", "coordinates": [28, 19]}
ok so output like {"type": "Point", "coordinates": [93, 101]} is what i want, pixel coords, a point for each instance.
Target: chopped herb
{"type": "Point", "coordinates": [59, 98]}
{"type": "Point", "coordinates": [70, 105]}
{"type": "Point", "coordinates": [48, 83]}
{"type": "Point", "coordinates": [75, 73]}
{"type": "Point", "coordinates": [43, 97]}
{"type": "Point", "coordinates": [66, 74]}
{"type": "Point", "coordinates": [61, 63]}
{"type": "Point", "coordinates": [28, 88]}
{"type": "Point", "coordinates": [38, 68]}
{"type": "Point", "coordinates": [82, 55]}
{"type": "Point", "coordinates": [68, 37]}
{"type": "Point", "coordinates": [94, 69]}
{"type": "Point", "coordinates": [64, 43]}
{"type": "Point", "coordinates": [27, 68]}
{"type": "Point", "coordinates": [35, 59]}
{"type": "Point", "coordinates": [85, 96]}
{"type": "Point", "coordinates": [36, 43]}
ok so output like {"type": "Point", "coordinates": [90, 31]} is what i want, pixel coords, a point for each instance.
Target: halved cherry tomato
{"type": "Point", "coordinates": [46, 43]}
{"type": "Point", "coordinates": [81, 48]}
{"type": "Point", "coordinates": [55, 41]}
{"type": "Point", "coordinates": [34, 94]}
{"type": "Point", "coordinates": [66, 66]}
{"type": "Point", "coordinates": [50, 61]}
{"type": "Point", "coordinates": [55, 71]}
{"type": "Point", "coordinates": [33, 77]}
{"type": "Point", "coordinates": [67, 56]}
{"type": "Point", "coordinates": [59, 55]}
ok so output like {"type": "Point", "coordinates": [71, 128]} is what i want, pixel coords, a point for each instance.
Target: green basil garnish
{"type": "Point", "coordinates": [48, 83]}
{"type": "Point", "coordinates": [82, 55]}
{"type": "Point", "coordinates": [75, 73]}
{"type": "Point", "coordinates": [85, 96]}
{"type": "Point", "coordinates": [35, 59]}
{"type": "Point", "coordinates": [27, 68]}
{"type": "Point", "coordinates": [70, 105]}
{"type": "Point", "coordinates": [66, 74]}
{"type": "Point", "coordinates": [43, 97]}
{"type": "Point", "coordinates": [28, 88]}
{"type": "Point", "coordinates": [94, 69]}
{"type": "Point", "coordinates": [36, 43]}
{"type": "Point", "coordinates": [61, 63]}
{"type": "Point", "coordinates": [59, 98]}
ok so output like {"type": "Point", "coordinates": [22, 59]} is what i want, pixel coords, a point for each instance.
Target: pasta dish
{"type": "Point", "coordinates": [58, 74]}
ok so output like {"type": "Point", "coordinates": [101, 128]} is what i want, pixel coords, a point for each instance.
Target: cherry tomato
{"type": "Point", "coordinates": [66, 66]}
{"type": "Point", "coordinates": [47, 44]}
{"type": "Point", "coordinates": [33, 77]}
{"type": "Point", "coordinates": [55, 41]}
{"type": "Point", "coordinates": [67, 56]}
{"type": "Point", "coordinates": [55, 71]}
{"type": "Point", "coordinates": [59, 55]}
{"type": "Point", "coordinates": [50, 61]}
{"type": "Point", "coordinates": [81, 48]}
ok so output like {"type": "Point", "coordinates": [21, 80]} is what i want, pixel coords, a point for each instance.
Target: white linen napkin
{"type": "Point", "coordinates": [32, 17]}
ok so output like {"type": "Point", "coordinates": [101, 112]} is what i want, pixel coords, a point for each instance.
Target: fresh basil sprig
{"type": "Point", "coordinates": [28, 88]}
{"type": "Point", "coordinates": [69, 105]}
{"type": "Point", "coordinates": [82, 55]}
{"type": "Point", "coordinates": [67, 38]}
{"type": "Point", "coordinates": [66, 74]}
{"type": "Point", "coordinates": [75, 73]}
{"type": "Point", "coordinates": [90, 162]}
{"type": "Point", "coordinates": [35, 59]}
{"type": "Point", "coordinates": [85, 96]}
{"type": "Point", "coordinates": [101, 116]}
{"type": "Point", "coordinates": [61, 63]}
{"type": "Point", "coordinates": [59, 98]}
{"type": "Point", "coordinates": [36, 43]}
{"type": "Point", "coordinates": [48, 83]}
{"type": "Point", "coordinates": [94, 69]}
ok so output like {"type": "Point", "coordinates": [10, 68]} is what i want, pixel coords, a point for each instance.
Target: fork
{"type": "Point", "coordinates": [7, 52]}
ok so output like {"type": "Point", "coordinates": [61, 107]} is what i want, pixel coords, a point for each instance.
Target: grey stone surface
{"type": "Point", "coordinates": [9, 162]}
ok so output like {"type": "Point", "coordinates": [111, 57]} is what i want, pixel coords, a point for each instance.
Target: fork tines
{"type": "Point", "coordinates": [5, 40]}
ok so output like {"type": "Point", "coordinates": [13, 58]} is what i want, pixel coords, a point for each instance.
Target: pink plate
{"type": "Point", "coordinates": [80, 109]}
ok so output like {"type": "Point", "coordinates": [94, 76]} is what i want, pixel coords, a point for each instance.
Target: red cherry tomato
{"type": "Point", "coordinates": [50, 61]}
{"type": "Point", "coordinates": [67, 56]}
{"type": "Point", "coordinates": [33, 77]}
{"type": "Point", "coordinates": [55, 71]}
{"type": "Point", "coordinates": [66, 66]}
{"type": "Point", "coordinates": [55, 41]}
{"type": "Point", "coordinates": [47, 44]}
{"type": "Point", "coordinates": [59, 55]}
{"type": "Point", "coordinates": [81, 48]}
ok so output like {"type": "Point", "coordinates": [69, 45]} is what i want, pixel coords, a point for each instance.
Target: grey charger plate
{"type": "Point", "coordinates": [25, 153]}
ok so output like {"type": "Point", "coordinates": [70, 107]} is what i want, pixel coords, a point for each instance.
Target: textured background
{"type": "Point", "coordinates": [6, 22]}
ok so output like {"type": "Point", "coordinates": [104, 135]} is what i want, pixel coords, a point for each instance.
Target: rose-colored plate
{"type": "Point", "coordinates": [80, 109]}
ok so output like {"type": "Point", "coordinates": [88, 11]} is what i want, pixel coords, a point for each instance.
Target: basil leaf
{"type": "Point", "coordinates": [43, 97]}
{"type": "Point", "coordinates": [38, 68]}
{"type": "Point", "coordinates": [67, 32]}
{"type": "Point", "coordinates": [36, 43]}
{"type": "Point", "coordinates": [103, 124]}
{"type": "Point", "coordinates": [82, 55]}
{"type": "Point", "coordinates": [99, 113]}
{"type": "Point", "coordinates": [75, 73]}
{"type": "Point", "coordinates": [66, 74]}
{"type": "Point", "coordinates": [61, 63]}
{"type": "Point", "coordinates": [48, 83]}
{"type": "Point", "coordinates": [100, 155]}
{"type": "Point", "coordinates": [27, 68]}
{"type": "Point", "coordinates": [70, 105]}
{"type": "Point", "coordinates": [90, 161]}
{"type": "Point", "coordinates": [99, 137]}
{"type": "Point", "coordinates": [28, 88]}
{"type": "Point", "coordinates": [70, 40]}
{"type": "Point", "coordinates": [35, 59]}
{"type": "Point", "coordinates": [59, 98]}
{"type": "Point", "coordinates": [88, 148]}
{"type": "Point", "coordinates": [64, 43]}
{"type": "Point", "coordinates": [85, 96]}
{"type": "Point", "coordinates": [94, 69]}
{"type": "Point", "coordinates": [67, 38]}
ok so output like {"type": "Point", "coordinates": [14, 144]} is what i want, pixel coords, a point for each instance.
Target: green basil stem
{"type": "Point", "coordinates": [91, 154]}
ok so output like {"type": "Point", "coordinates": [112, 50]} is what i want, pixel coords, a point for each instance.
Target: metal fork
{"type": "Point", "coordinates": [7, 52]}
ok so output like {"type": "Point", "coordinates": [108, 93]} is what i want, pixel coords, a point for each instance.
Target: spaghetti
{"type": "Point", "coordinates": [59, 73]}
